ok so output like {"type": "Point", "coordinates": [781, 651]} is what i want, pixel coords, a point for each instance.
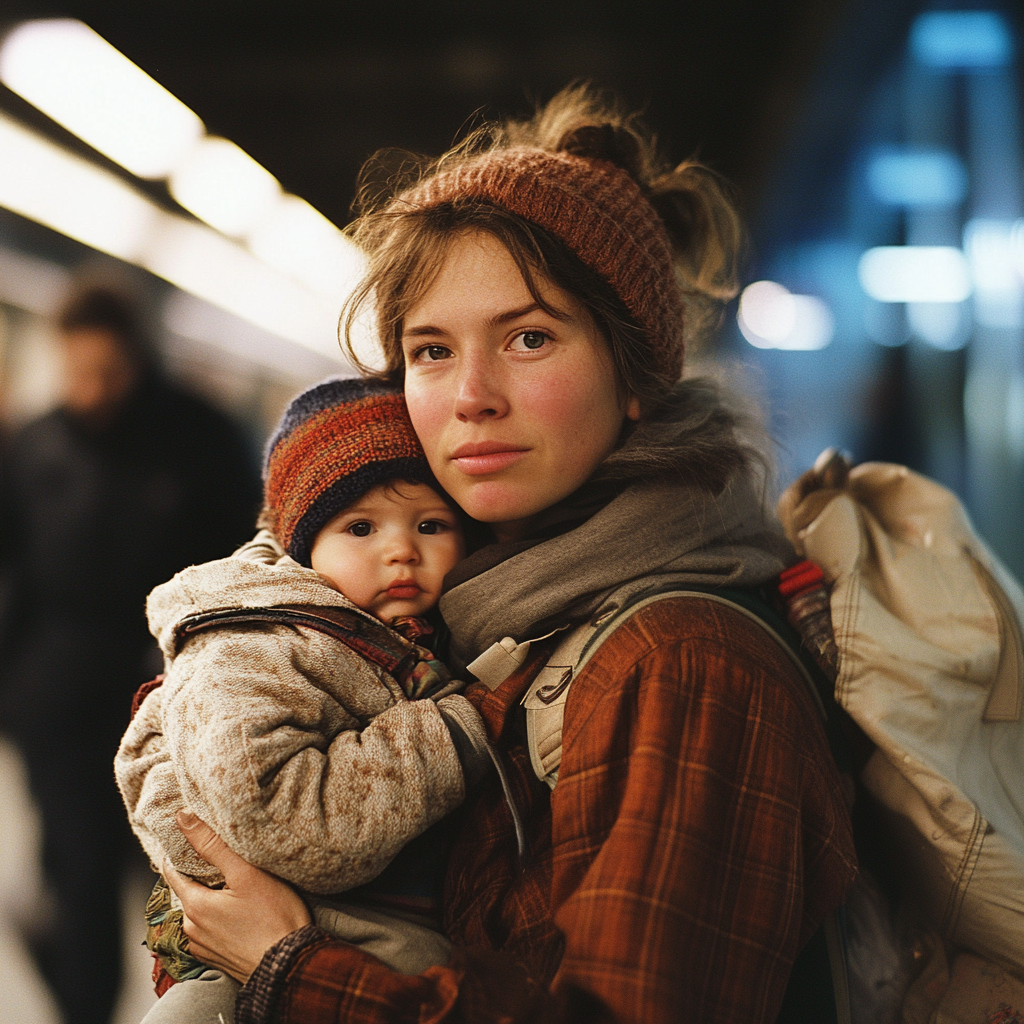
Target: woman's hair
{"type": "Point", "coordinates": [656, 277]}
{"type": "Point", "coordinates": [406, 243]}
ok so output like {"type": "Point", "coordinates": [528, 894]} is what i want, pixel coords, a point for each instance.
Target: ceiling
{"type": "Point", "coordinates": [313, 88]}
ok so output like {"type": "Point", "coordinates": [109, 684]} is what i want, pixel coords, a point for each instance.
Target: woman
{"type": "Point", "coordinates": [532, 290]}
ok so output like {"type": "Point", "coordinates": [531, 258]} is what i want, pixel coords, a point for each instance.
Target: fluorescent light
{"type": "Point", "coordinates": [991, 247]}
{"type": "Point", "coordinates": [191, 318]}
{"type": "Point", "coordinates": [961, 39]}
{"type": "Point", "coordinates": [211, 267]}
{"type": "Point", "coordinates": [768, 312]}
{"type": "Point", "coordinates": [915, 273]}
{"type": "Point", "coordinates": [77, 78]}
{"type": "Point", "coordinates": [770, 316]}
{"type": "Point", "coordinates": [300, 241]}
{"type": "Point", "coordinates": [916, 177]}
{"type": "Point", "coordinates": [223, 186]}
{"type": "Point", "coordinates": [45, 183]}
{"type": "Point", "coordinates": [993, 251]}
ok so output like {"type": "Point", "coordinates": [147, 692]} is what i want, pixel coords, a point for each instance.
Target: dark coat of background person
{"type": "Point", "coordinates": [91, 519]}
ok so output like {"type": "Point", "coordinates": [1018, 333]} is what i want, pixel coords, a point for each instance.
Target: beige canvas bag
{"type": "Point", "coordinates": [928, 627]}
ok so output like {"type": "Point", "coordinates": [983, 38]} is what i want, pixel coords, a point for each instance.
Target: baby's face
{"type": "Point", "coordinates": [389, 552]}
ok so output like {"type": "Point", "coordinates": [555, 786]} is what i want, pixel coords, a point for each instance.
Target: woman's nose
{"type": "Point", "coordinates": [479, 395]}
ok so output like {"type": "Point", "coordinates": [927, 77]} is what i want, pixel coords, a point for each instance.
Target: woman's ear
{"type": "Point", "coordinates": [633, 408]}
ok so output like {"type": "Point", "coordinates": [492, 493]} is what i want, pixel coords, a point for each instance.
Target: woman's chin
{"type": "Point", "coordinates": [506, 509]}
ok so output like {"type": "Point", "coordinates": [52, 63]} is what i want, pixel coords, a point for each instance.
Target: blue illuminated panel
{"type": "Point", "coordinates": [916, 177]}
{"type": "Point", "coordinates": [961, 39]}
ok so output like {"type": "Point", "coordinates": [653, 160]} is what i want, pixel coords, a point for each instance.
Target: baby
{"type": "Point", "coordinates": [290, 717]}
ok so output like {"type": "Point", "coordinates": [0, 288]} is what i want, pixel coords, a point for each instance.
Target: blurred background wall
{"type": "Point", "coordinates": [845, 126]}
{"type": "Point", "coordinates": [874, 147]}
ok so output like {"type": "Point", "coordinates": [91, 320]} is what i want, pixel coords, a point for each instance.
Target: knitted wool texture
{"type": "Point", "coordinates": [336, 441]}
{"type": "Point", "coordinates": [598, 211]}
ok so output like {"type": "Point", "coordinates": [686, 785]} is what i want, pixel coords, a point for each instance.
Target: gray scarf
{"type": "Point", "coordinates": [653, 533]}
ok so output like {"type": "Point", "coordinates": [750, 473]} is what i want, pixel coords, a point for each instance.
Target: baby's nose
{"type": "Point", "coordinates": [402, 550]}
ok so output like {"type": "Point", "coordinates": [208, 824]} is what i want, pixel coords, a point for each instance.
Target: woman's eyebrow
{"type": "Point", "coordinates": [514, 314]}
{"type": "Point", "coordinates": [421, 330]}
{"type": "Point", "coordinates": [418, 332]}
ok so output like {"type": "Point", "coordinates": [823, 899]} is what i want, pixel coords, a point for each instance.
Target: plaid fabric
{"type": "Point", "coordinates": [256, 999]}
{"type": "Point", "coordinates": [695, 840]}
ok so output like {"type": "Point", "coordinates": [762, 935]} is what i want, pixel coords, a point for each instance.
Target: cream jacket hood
{"type": "Point", "coordinates": [307, 759]}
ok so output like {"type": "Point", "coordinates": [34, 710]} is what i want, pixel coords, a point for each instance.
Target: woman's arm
{"type": "Point", "coordinates": [257, 929]}
{"type": "Point", "coordinates": [699, 836]}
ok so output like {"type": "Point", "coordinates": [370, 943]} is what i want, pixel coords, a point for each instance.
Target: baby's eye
{"type": "Point", "coordinates": [431, 526]}
{"type": "Point", "coordinates": [529, 341]}
{"type": "Point", "coordinates": [360, 529]}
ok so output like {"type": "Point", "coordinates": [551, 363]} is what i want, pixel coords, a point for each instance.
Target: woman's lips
{"type": "Point", "coordinates": [486, 457]}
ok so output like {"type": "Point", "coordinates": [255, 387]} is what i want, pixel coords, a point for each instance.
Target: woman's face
{"type": "Point", "coordinates": [515, 407]}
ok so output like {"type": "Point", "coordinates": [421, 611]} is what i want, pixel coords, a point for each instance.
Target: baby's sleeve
{"type": "Point", "coordinates": [149, 787]}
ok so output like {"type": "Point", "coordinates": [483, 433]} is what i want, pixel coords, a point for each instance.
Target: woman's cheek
{"type": "Point", "coordinates": [425, 411]}
{"type": "Point", "coordinates": [579, 416]}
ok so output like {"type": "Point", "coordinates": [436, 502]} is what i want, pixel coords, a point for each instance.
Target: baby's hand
{"type": "Point", "coordinates": [469, 735]}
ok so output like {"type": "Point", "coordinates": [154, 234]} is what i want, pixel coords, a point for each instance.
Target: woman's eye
{"type": "Point", "coordinates": [360, 529]}
{"type": "Point", "coordinates": [431, 354]}
{"type": "Point", "coordinates": [529, 341]}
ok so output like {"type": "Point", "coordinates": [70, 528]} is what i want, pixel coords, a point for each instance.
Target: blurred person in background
{"type": "Point", "coordinates": [129, 480]}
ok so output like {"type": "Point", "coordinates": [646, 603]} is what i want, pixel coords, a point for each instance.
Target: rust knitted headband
{"type": "Point", "coordinates": [598, 211]}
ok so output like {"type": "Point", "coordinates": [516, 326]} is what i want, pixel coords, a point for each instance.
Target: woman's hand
{"type": "Point", "coordinates": [231, 928]}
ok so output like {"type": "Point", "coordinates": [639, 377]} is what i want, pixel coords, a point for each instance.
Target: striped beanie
{"type": "Point", "coordinates": [336, 441]}
{"type": "Point", "coordinates": [596, 209]}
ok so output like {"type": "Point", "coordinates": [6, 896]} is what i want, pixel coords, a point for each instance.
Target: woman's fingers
{"type": "Point", "coordinates": [185, 888]}
{"type": "Point", "coordinates": [211, 847]}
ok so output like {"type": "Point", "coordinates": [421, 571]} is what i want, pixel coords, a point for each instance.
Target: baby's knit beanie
{"type": "Point", "coordinates": [336, 441]}
{"type": "Point", "coordinates": [596, 209]}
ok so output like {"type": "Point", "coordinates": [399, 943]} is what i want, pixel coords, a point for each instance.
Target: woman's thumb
{"type": "Point", "coordinates": [207, 843]}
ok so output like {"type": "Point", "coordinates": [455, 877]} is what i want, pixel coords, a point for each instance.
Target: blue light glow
{"type": "Point", "coordinates": [915, 273]}
{"type": "Point", "coordinates": [961, 39]}
{"type": "Point", "coordinates": [993, 248]}
{"type": "Point", "coordinates": [916, 177]}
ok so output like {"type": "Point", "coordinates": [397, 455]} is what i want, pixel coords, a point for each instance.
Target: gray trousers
{"type": "Point", "coordinates": [404, 946]}
{"type": "Point", "coordinates": [208, 999]}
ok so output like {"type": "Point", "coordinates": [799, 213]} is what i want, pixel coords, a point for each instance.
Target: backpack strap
{"type": "Point", "coordinates": [545, 699]}
{"type": "Point", "coordinates": [819, 984]}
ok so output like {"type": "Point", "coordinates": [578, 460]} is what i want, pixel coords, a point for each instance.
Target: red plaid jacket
{"type": "Point", "coordinates": [696, 839]}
